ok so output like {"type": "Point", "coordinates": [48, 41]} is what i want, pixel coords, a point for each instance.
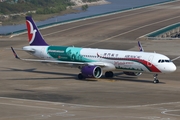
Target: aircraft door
{"type": "Point", "coordinates": [149, 62]}
{"type": "Point", "coordinates": [99, 57]}
{"type": "Point", "coordinates": [42, 52]}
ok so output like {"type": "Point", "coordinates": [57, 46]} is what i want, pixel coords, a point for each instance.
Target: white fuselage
{"type": "Point", "coordinates": [113, 59]}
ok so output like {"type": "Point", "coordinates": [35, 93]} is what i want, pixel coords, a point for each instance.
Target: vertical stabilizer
{"type": "Point", "coordinates": [34, 35]}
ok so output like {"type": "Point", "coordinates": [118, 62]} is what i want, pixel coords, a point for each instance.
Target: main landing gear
{"type": "Point", "coordinates": [80, 76]}
{"type": "Point", "coordinates": [109, 74]}
{"type": "Point", "coordinates": [156, 79]}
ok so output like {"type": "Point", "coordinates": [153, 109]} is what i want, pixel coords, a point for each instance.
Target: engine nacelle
{"type": "Point", "coordinates": [91, 71]}
{"type": "Point", "coordinates": [132, 73]}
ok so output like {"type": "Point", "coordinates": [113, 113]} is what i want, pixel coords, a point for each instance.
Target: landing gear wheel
{"type": "Point", "coordinates": [109, 74]}
{"type": "Point", "coordinates": [80, 76]}
{"type": "Point", "coordinates": [155, 79]}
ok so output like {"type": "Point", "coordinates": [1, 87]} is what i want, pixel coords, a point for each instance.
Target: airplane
{"type": "Point", "coordinates": [93, 62]}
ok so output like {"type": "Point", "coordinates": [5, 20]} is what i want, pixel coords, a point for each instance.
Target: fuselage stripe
{"type": "Point", "coordinates": [151, 67]}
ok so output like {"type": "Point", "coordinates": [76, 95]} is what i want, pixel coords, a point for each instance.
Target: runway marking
{"type": "Point", "coordinates": [30, 106]}
{"type": "Point", "coordinates": [149, 118]}
{"type": "Point", "coordinates": [40, 115]}
{"type": "Point", "coordinates": [81, 105]}
{"type": "Point", "coordinates": [132, 30]}
{"type": "Point", "coordinates": [166, 112]}
{"type": "Point", "coordinates": [97, 22]}
{"type": "Point", "coordinates": [151, 6]}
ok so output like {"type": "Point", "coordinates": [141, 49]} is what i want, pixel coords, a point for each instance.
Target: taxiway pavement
{"type": "Point", "coordinates": [30, 90]}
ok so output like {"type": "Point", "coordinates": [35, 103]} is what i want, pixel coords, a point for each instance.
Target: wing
{"type": "Point", "coordinates": [59, 62]}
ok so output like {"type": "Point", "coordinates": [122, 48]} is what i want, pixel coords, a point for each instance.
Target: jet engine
{"type": "Point", "coordinates": [91, 71]}
{"type": "Point", "coordinates": [132, 73]}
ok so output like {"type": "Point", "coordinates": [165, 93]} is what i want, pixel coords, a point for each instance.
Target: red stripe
{"type": "Point", "coordinates": [29, 31]}
{"type": "Point", "coordinates": [151, 68]}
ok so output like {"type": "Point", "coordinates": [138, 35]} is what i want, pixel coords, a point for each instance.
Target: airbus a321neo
{"type": "Point", "coordinates": [94, 62]}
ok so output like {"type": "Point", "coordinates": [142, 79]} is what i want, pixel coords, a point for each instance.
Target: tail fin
{"type": "Point", "coordinates": [140, 47]}
{"type": "Point", "coordinates": [34, 35]}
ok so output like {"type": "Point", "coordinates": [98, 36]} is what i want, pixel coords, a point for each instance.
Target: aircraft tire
{"type": "Point", "coordinates": [156, 81]}
{"type": "Point", "coordinates": [109, 74]}
{"type": "Point", "coordinates": [80, 76]}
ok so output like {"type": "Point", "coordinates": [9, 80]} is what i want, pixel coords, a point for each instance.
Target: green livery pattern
{"type": "Point", "coordinates": [63, 53]}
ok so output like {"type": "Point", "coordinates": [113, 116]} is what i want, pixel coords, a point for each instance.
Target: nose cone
{"type": "Point", "coordinates": [172, 68]}
{"type": "Point", "coordinates": [168, 68]}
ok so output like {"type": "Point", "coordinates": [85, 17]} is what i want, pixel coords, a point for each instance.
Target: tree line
{"type": "Point", "coordinates": [90, 0]}
{"type": "Point", "coordinates": [40, 6]}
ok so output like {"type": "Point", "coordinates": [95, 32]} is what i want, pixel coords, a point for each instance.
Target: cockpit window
{"type": "Point", "coordinates": [162, 61]}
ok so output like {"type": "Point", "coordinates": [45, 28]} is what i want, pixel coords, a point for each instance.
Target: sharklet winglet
{"type": "Point", "coordinates": [140, 47]}
{"type": "Point", "coordinates": [15, 54]}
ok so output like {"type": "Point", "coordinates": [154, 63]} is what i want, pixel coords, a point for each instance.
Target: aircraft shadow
{"type": "Point", "coordinates": [118, 76]}
{"type": "Point", "coordinates": [122, 77]}
{"type": "Point", "coordinates": [33, 70]}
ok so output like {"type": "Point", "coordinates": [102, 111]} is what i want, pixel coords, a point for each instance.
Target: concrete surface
{"type": "Point", "coordinates": [30, 90]}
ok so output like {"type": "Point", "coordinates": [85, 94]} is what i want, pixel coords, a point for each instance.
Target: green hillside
{"type": "Point", "coordinates": [40, 6]}
{"type": "Point", "coordinates": [13, 11]}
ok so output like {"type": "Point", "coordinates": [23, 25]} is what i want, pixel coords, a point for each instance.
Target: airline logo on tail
{"type": "Point", "coordinates": [31, 31]}
{"type": "Point", "coordinates": [35, 37]}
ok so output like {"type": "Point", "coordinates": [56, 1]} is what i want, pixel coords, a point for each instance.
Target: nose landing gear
{"type": "Point", "coordinates": [155, 79]}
